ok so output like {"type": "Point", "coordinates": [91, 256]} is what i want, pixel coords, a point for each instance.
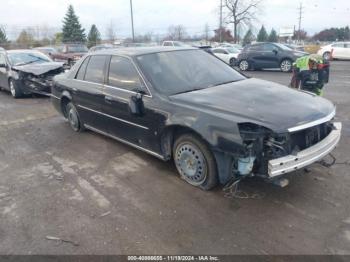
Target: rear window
{"type": "Point", "coordinates": [95, 69]}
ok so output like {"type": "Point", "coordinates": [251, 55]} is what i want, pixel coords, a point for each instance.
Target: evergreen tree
{"type": "Point", "coordinates": [72, 29]}
{"type": "Point", "coordinates": [248, 38]}
{"type": "Point", "coordinates": [94, 37]}
{"type": "Point", "coordinates": [25, 39]}
{"type": "Point", "coordinates": [262, 35]}
{"type": "Point", "coordinates": [3, 37]}
{"type": "Point", "coordinates": [273, 36]}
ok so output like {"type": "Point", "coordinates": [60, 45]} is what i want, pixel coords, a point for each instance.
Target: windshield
{"type": "Point", "coordinates": [284, 47]}
{"type": "Point", "coordinates": [77, 49]}
{"type": "Point", "coordinates": [27, 58]}
{"type": "Point", "coordinates": [232, 50]}
{"type": "Point", "coordinates": [185, 71]}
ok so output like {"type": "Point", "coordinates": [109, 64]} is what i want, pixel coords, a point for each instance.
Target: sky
{"type": "Point", "coordinates": [157, 15]}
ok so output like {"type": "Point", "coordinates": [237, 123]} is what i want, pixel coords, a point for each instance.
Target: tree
{"type": "Point", "coordinates": [273, 36]}
{"type": "Point", "coordinates": [94, 37]}
{"type": "Point", "coordinates": [206, 33]}
{"type": "Point", "coordinates": [241, 12]}
{"type": "Point", "coordinates": [302, 35]}
{"type": "Point", "coordinates": [225, 33]}
{"type": "Point", "coordinates": [111, 32]}
{"type": "Point", "coordinates": [25, 39]}
{"type": "Point", "coordinates": [262, 35]}
{"type": "Point", "coordinates": [3, 36]}
{"type": "Point", "coordinates": [72, 29]}
{"type": "Point", "coordinates": [177, 32]}
{"type": "Point", "coordinates": [248, 38]}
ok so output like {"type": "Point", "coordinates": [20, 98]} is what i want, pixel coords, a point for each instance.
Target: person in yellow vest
{"type": "Point", "coordinates": [310, 73]}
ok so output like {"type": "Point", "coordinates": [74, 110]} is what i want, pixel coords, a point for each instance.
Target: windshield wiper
{"type": "Point", "coordinates": [27, 63]}
{"type": "Point", "coordinates": [224, 83]}
{"type": "Point", "coordinates": [188, 91]}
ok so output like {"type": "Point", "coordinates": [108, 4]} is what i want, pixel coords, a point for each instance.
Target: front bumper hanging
{"type": "Point", "coordinates": [283, 165]}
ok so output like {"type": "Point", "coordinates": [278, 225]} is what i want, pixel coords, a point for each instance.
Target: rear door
{"type": "Point", "coordinates": [87, 90]}
{"type": "Point", "coordinates": [123, 80]}
{"type": "Point", "coordinates": [339, 50]}
{"type": "Point", "coordinates": [347, 50]}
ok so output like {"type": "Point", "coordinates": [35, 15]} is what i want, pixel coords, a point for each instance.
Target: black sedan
{"type": "Point", "coordinates": [24, 72]}
{"type": "Point", "coordinates": [185, 104]}
{"type": "Point", "coordinates": [267, 55]}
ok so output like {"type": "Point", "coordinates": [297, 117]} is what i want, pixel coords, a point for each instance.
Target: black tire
{"type": "Point", "coordinates": [286, 65]}
{"type": "Point", "coordinates": [195, 162]}
{"type": "Point", "coordinates": [244, 65]}
{"type": "Point", "coordinates": [233, 62]}
{"type": "Point", "coordinates": [326, 56]}
{"type": "Point", "coordinates": [73, 118]}
{"type": "Point", "coordinates": [15, 89]}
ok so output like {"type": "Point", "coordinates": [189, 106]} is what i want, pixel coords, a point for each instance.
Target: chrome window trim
{"type": "Point", "coordinates": [116, 118]}
{"type": "Point", "coordinates": [313, 123]}
{"type": "Point", "coordinates": [126, 142]}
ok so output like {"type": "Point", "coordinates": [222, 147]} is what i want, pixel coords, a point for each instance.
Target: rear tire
{"type": "Point", "coordinates": [73, 118]}
{"type": "Point", "coordinates": [195, 162]}
{"type": "Point", "coordinates": [15, 89]}
{"type": "Point", "coordinates": [244, 65]}
{"type": "Point", "coordinates": [326, 56]}
{"type": "Point", "coordinates": [232, 62]}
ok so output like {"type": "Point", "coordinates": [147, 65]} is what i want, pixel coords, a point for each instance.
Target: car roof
{"type": "Point", "coordinates": [136, 51]}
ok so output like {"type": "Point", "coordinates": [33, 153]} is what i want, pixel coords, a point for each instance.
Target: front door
{"type": "Point", "coordinates": [123, 82]}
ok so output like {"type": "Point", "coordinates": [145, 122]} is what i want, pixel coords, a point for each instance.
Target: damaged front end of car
{"type": "Point", "coordinates": [37, 80]}
{"type": "Point", "coordinates": [271, 155]}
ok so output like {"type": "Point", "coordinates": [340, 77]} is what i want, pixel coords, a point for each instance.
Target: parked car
{"type": "Point", "coordinates": [339, 50]}
{"type": "Point", "coordinates": [236, 46]}
{"type": "Point", "coordinates": [295, 47]}
{"type": "Point", "coordinates": [24, 72]}
{"type": "Point", "coordinates": [206, 48]}
{"type": "Point", "coordinates": [173, 43]}
{"type": "Point", "coordinates": [47, 50]}
{"type": "Point", "coordinates": [184, 104]}
{"type": "Point", "coordinates": [228, 54]}
{"type": "Point", "coordinates": [70, 53]}
{"type": "Point", "coordinates": [268, 55]}
{"type": "Point", "coordinates": [101, 47]}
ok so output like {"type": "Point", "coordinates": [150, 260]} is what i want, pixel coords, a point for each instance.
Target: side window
{"type": "Point", "coordinates": [255, 48]}
{"type": "Point", "coordinates": [168, 44]}
{"type": "Point", "coordinates": [123, 74]}
{"type": "Point", "coordinates": [217, 51]}
{"type": "Point", "coordinates": [95, 69]}
{"type": "Point", "coordinates": [81, 73]}
{"type": "Point", "coordinates": [269, 47]}
{"type": "Point", "coordinates": [338, 45]}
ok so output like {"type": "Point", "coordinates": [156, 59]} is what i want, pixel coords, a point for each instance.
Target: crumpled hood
{"type": "Point", "coordinates": [261, 102]}
{"type": "Point", "coordinates": [38, 68]}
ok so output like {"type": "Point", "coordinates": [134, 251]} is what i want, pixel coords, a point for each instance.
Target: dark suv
{"type": "Point", "coordinates": [268, 55]}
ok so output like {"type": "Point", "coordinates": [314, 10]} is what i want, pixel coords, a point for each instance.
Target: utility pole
{"type": "Point", "coordinates": [300, 17]}
{"type": "Point", "coordinates": [220, 28]}
{"type": "Point", "coordinates": [132, 22]}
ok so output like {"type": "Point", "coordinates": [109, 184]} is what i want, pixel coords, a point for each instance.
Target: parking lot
{"type": "Point", "coordinates": [103, 197]}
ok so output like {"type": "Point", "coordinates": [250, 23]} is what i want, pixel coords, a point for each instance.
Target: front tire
{"type": "Point", "coordinates": [73, 118]}
{"type": "Point", "coordinates": [286, 65]}
{"type": "Point", "coordinates": [15, 89]}
{"type": "Point", "coordinates": [195, 162]}
{"type": "Point", "coordinates": [244, 65]}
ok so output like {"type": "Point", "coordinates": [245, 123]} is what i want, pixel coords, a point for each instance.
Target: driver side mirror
{"type": "Point", "coordinates": [136, 105]}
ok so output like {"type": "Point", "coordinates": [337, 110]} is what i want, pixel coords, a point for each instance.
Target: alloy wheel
{"type": "Point", "coordinates": [243, 65]}
{"type": "Point", "coordinates": [73, 119]}
{"type": "Point", "coordinates": [286, 65]}
{"type": "Point", "coordinates": [12, 89]}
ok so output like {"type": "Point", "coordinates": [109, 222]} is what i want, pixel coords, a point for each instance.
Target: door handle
{"type": "Point", "coordinates": [109, 99]}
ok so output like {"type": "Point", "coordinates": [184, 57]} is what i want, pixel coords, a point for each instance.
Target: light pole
{"type": "Point", "coordinates": [132, 22]}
